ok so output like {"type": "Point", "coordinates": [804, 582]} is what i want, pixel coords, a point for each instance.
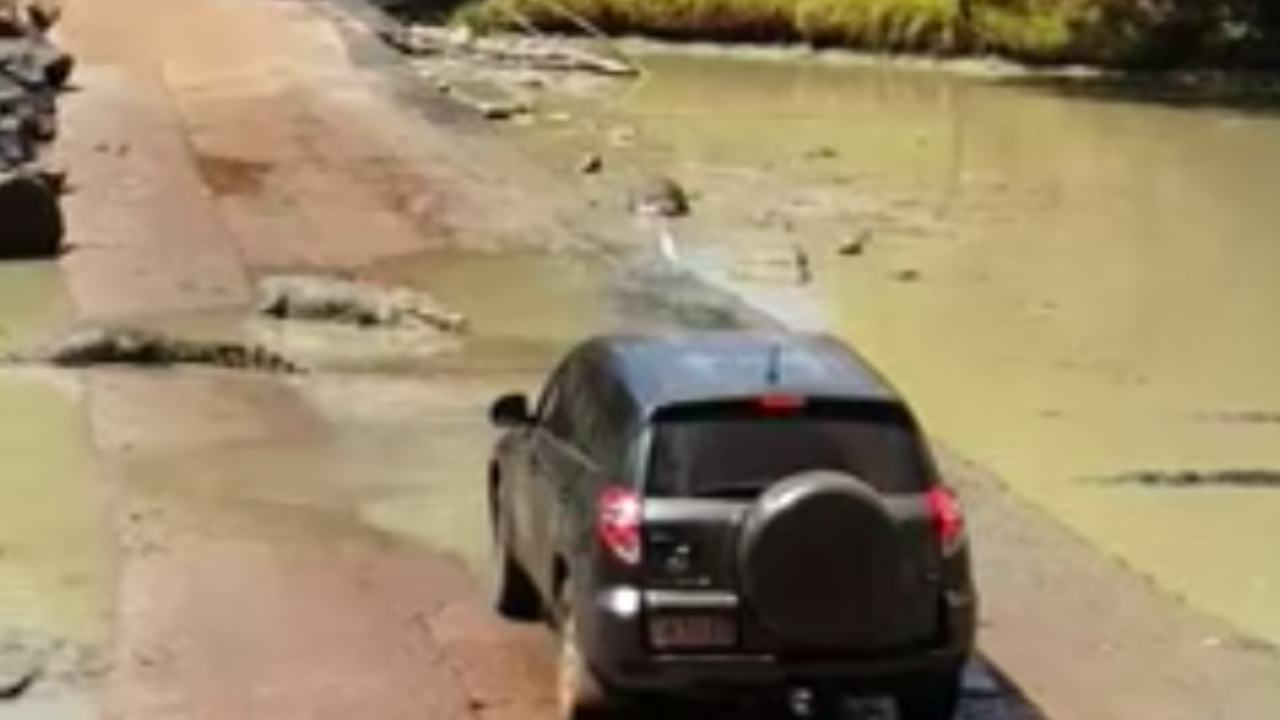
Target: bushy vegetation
{"type": "Point", "coordinates": [1152, 33]}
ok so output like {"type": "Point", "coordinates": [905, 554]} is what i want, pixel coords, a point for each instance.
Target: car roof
{"type": "Point", "coordinates": [663, 370]}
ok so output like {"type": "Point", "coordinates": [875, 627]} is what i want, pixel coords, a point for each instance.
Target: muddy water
{"type": "Point", "coordinates": [32, 302]}
{"type": "Point", "coordinates": [54, 565]}
{"type": "Point", "coordinates": [1089, 284]}
{"type": "Point", "coordinates": [402, 453]}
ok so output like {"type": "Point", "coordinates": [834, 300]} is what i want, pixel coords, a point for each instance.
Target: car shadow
{"type": "Point", "coordinates": [989, 694]}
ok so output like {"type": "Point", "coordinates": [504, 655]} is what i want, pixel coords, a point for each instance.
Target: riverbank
{"type": "Point", "coordinates": [1111, 33]}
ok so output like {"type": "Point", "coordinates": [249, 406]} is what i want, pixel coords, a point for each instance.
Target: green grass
{"type": "Point", "coordinates": [924, 25]}
{"type": "Point", "coordinates": [1105, 32]}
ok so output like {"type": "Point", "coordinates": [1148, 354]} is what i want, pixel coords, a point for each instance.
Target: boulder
{"type": "Point", "coordinates": [31, 223]}
{"type": "Point", "coordinates": [590, 164]}
{"type": "Point", "coordinates": [32, 70]}
{"type": "Point", "coordinates": [34, 61]}
{"type": "Point", "coordinates": [659, 196]}
{"type": "Point", "coordinates": [21, 17]}
{"type": "Point", "coordinates": [857, 244]}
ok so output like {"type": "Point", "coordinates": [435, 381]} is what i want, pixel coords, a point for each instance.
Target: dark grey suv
{"type": "Point", "coordinates": [711, 515]}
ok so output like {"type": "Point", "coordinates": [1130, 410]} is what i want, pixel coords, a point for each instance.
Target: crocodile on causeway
{"type": "Point", "coordinates": [101, 345]}
{"type": "Point", "coordinates": [321, 298]}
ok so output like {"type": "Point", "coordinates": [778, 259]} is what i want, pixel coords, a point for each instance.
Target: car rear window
{"type": "Point", "coordinates": [737, 453]}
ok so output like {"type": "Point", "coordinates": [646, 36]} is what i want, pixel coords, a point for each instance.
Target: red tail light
{"type": "Point", "coordinates": [780, 404]}
{"type": "Point", "coordinates": [948, 519]}
{"type": "Point", "coordinates": [618, 524]}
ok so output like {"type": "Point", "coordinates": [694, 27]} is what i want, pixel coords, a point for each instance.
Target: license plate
{"type": "Point", "coordinates": [692, 631]}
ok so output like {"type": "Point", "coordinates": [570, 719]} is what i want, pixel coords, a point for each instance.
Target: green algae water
{"type": "Point", "coordinates": [54, 549]}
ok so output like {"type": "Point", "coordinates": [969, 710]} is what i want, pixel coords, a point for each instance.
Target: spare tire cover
{"type": "Point", "coordinates": [817, 557]}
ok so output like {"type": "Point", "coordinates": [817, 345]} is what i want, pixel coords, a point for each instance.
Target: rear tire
{"type": "Point", "coordinates": [514, 595]}
{"type": "Point", "coordinates": [579, 694]}
{"type": "Point", "coordinates": [935, 697]}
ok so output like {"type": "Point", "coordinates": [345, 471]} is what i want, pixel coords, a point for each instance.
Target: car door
{"type": "Point", "coordinates": [565, 474]}
{"type": "Point", "coordinates": [543, 463]}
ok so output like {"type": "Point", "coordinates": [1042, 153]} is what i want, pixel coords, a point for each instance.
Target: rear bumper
{"type": "Point", "coordinates": [615, 644]}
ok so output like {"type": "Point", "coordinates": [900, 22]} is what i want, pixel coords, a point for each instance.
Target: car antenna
{"type": "Point", "coordinates": [773, 373]}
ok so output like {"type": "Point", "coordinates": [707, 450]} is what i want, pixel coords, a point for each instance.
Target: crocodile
{"type": "Point", "coordinates": [305, 297]}
{"type": "Point", "coordinates": [110, 345]}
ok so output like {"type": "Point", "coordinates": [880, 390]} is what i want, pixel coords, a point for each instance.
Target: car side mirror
{"type": "Point", "coordinates": [511, 411]}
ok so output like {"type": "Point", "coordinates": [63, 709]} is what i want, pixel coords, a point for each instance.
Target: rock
{"type": "Point", "coordinates": [44, 14]}
{"type": "Point", "coordinates": [822, 152]}
{"type": "Point", "coordinates": [410, 40]}
{"type": "Point", "coordinates": [501, 110]}
{"type": "Point", "coordinates": [855, 245]}
{"type": "Point", "coordinates": [35, 61]}
{"type": "Point", "coordinates": [591, 164]}
{"type": "Point", "coordinates": [492, 103]}
{"type": "Point", "coordinates": [25, 16]}
{"type": "Point", "coordinates": [305, 297]}
{"type": "Point", "coordinates": [58, 69]}
{"type": "Point", "coordinates": [32, 70]}
{"type": "Point", "coordinates": [17, 146]}
{"type": "Point", "coordinates": [28, 109]}
{"type": "Point", "coordinates": [659, 196]}
{"type": "Point", "coordinates": [31, 223]}
{"type": "Point", "coordinates": [907, 276]}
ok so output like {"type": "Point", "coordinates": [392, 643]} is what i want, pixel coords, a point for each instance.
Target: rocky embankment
{"type": "Point", "coordinates": [33, 71]}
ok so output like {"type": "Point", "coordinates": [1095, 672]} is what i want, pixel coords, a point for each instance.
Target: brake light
{"type": "Point", "coordinates": [779, 403]}
{"type": "Point", "coordinates": [948, 519]}
{"type": "Point", "coordinates": [618, 524]}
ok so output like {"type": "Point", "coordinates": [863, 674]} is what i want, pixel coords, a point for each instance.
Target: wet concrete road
{"type": "Point", "coordinates": [204, 544]}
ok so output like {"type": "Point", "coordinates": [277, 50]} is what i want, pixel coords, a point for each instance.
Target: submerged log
{"type": "Point", "coordinates": [526, 52]}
